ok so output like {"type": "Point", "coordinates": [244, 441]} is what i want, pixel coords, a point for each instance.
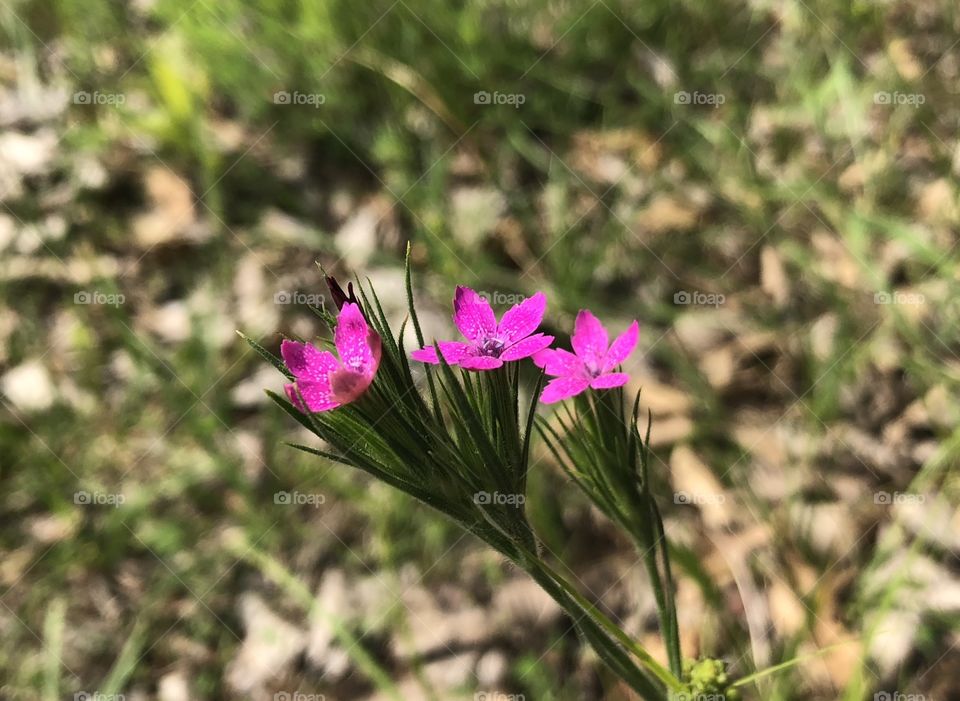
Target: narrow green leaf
{"type": "Point", "coordinates": [267, 355]}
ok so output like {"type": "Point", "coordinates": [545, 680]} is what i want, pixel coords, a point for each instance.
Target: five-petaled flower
{"type": "Point", "coordinates": [591, 364]}
{"type": "Point", "coordinates": [489, 344]}
{"type": "Point", "coordinates": [325, 382]}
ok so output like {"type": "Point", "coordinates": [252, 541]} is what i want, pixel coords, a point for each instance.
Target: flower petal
{"type": "Point", "coordinates": [473, 315]}
{"type": "Point", "coordinates": [480, 362]}
{"type": "Point", "coordinates": [375, 345]}
{"type": "Point", "coordinates": [317, 395]}
{"type": "Point", "coordinates": [307, 362]}
{"type": "Point", "coordinates": [562, 388]}
{"type": "Point", "coordinates": [541, 358]}
{"type": "Point", "coordinates": [557, 361]}
{"type": "Point", "coordinates": [353, 339]}
{"type": "Point", "coordinates": [291, 391]}
{"type": "Point", "coordinates": [347, 385]}
{"type": "Point", "coordinates": [589, 339]}
{"type": "Point", "coordinates": [610, 380]}
{"type": "Point", "coordinates": [453, 352]}
{"type": "Point", "coordinates": [526, 347]}
{"type": "Point", "coordinates": [522, 319]}
{"type": "Point", "coordinates": [426, 355]}
{"type": "Point", "coordinates": [621, 347]}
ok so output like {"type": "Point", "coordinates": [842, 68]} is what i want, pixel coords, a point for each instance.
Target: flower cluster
{"type": "Point", "coordinates": [322, 382]}
{"type": "Point", "coordinates": [459, 437]}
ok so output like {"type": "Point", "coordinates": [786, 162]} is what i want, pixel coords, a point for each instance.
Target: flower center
{"type": "Point", "coordinates": [492, 347]}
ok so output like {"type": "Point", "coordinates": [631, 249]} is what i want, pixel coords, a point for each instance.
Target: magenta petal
{"type": "Point", "coordinates": [291, 392]}
{"type": "Point", "coordinates": [453, 352]}
{"type": "Point", "coordinates": [621, 347]}
{"type": "Point", "coordinates": [317, 395]}
{"type": "Point", "coordinates": [610, 380]}
{"type": "Point", "coordinates": [562, 388]}
{"type": "Point", "coordinates": [346, 386]}
{"type": "Point", "coordinates": [375, 346]}
{"type": "Point", "coordinates": [522, 319]}
{"type": "Point", "coordinates": [353, 339]}
{"type": "Point", "coordinates": [307, 362]}
{"type": "Point", "coordinates": [559, 362]}
{"type": "Point", "coordinates": [473, 315]}
{"type": "Point", "coordinates": [426, 355]}
{"type": "Point", "coordinates": [589, 339]}
{"type": "Point", "coordinates": [526, 347]}
{"type": "Point", "coordinates": [481, 362]}
{"type": "Point", "coordinates": [542, 358]}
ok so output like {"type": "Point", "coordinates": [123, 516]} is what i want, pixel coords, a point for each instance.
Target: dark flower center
{"type": "Point", "coordinates": [492, 347]}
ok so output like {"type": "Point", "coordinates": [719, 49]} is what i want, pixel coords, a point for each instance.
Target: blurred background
{"type": "Point", "coordinates": [770, 188]}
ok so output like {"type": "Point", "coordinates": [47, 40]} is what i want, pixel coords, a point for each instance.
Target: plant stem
{"type": "Point", "coordinates": [671, 626]}
{"type": "Point", "coordinates": [611, 653]}
{"type": "Point", "coordinates": [597, 617]}
{"type": "Point", "coordinates": [641, 519]}
{"type": "Point", "coordinates": [646, 543]}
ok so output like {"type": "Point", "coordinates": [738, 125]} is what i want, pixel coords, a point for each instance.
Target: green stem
{"type": "Point", "coordinates": [611, 654]}
{"type": "Point", "coordinates": [646, 659]}
{"type": "Point", "coordinates": [641, 519]}
{"type": "Point", "coordinates": [789, 663]}
{"type": "Point", "coordinates": [646, 543]}
{"type": "Point", "coordinates": [671, 626]}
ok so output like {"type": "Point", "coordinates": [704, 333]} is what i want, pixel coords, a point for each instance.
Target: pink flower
{"type": "Point", "coordinates": [592, 363]}
{"type": "Point", "coordinates": [325, 382]}
{"type": "Point", "coordinates": [490, 344]}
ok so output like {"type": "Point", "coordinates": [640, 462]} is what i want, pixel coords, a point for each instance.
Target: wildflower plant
{"type": "Point", "coordinates": [445, 425]}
